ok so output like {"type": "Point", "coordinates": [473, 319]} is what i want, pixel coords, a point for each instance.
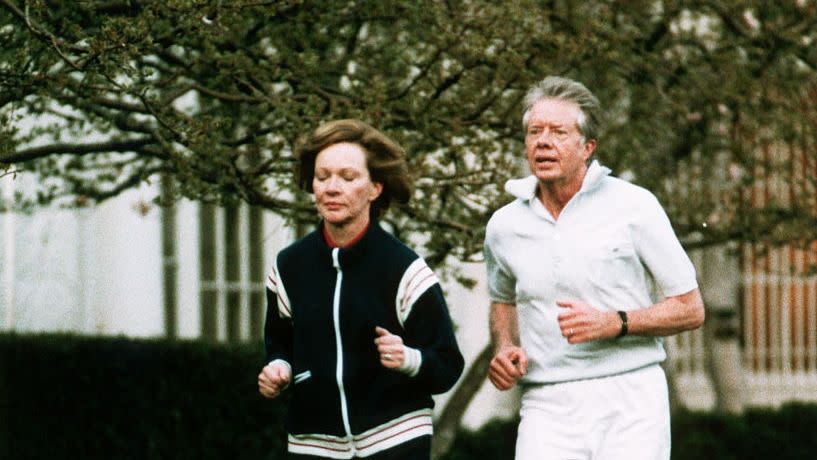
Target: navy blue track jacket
{"type": "Point", "coordinates": [322, 308]}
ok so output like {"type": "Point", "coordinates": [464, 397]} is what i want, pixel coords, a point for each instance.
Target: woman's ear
{"type": "Point", "coordinates": [377, 189]}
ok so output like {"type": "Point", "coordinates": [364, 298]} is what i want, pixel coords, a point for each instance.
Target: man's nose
{"type": "Point", "coordinates": [544, 139]}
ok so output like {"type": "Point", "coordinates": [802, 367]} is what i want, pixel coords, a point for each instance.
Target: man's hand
{"type": "Point", "coordinates": [580, 322]}
{"type": "Point", "coordinates": [390, 347]}
{"type": "Point", "coordinates": [507, 367]}
{"type": "Point", "coordinates": [273, 379]}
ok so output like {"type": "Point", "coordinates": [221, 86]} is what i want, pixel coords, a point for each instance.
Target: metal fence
{"type": "Point", "coordinates": [778, 300]}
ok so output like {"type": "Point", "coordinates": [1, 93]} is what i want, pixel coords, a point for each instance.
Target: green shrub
{"type": "Point", "coordinates": [78, 397]}
{"type": "Point", "coordinates": [495, 440]}
{"type": "Point", "coordinates": [66, 397]}
{"type": "Point", "coordinates": [786, 434]}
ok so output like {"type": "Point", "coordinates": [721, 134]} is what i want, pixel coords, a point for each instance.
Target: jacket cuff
{"type": "Point", "coordinates": [412, 361]}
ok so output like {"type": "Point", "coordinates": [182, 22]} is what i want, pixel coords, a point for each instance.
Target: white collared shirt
{"type": "Point", "coordinates": [612, 247]}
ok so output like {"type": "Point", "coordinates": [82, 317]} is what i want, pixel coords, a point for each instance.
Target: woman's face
{"type": "Point", "coordinates": [343, 188]}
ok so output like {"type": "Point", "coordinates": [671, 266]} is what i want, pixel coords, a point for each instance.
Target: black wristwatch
{"type": "Point", "coordinates": [623, 316]}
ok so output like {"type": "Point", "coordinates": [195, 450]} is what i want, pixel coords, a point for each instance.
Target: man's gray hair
{"type": "Point", "coordinates": [567, 90]}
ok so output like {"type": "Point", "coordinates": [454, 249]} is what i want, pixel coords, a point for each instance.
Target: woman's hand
{"type": "Point", "coordinates": [273, 379]}
{"type": "Point", "coordinates": [390, 347]}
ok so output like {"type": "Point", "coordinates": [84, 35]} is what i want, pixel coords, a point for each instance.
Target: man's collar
{"type": "Point", "coordinates": [525, 188]}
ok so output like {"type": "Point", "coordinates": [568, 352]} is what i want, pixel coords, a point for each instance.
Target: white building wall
{"type": "Point", "coordinates": [95, 270]}
{"type": "Point", "coordinates": [47, 283]}
{"type": "Point", "coordinates": [187, 251]}
{"type": "Point", "coordinates": [8, 224]}
{"type": "Point", "coordinates": [42, 272]}
{"type": "Point", "coordinates": [126, 264]}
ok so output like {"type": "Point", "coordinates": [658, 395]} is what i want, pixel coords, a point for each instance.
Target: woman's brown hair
{"type": "Point", "coordinates": [385, 160]}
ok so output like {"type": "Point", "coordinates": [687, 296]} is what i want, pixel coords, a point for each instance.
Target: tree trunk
{"type": "Point", "coordinates": [721, 281]}
{"type": "Point", "coordinates": [448, 423]}
{"type": "Point", "coordinates": [675, 401]}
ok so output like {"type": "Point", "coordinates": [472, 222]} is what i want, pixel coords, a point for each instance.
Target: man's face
{"type": "Point", "coordinates": [557, 153]}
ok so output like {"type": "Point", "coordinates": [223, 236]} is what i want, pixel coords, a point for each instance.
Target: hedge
{"type": "Point", "coordinates": [81, 397]}
{"type": "Point", "coordinates": [788, 433]}
{"type": "Point", "coordinates": [66, 397]}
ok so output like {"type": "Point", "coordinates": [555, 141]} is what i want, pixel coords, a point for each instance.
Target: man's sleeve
{"type": "Point", "coordinates": [661, 252]}
{"type": "Point", "coordinates": [501, 282]}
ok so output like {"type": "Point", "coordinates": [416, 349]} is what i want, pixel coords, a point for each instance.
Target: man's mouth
{"type": "Point", "coordinates": [546, 160]}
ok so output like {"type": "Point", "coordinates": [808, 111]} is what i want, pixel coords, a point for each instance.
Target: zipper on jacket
{"type": "Point", "coordinates": [344, 409]}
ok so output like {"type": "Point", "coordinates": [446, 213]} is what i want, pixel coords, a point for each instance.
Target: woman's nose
{"type": "Point", "coordinates": [333, 184]}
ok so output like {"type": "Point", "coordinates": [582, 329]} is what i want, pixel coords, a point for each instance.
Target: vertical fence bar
{"type": "Point", "coordinates": [798, 312]}
{"type": "Point", "coordinates": [749, 301]}
{"type": "Point", "coordinates": [257, 270]}
{"type": "Point", "coordinates": [811, 321]}
{"type": "Point", "coordinates": [208, 272]}
{"type": "Point", "coordinates": [170, 263]}
{"type": "Point", "coordinates": [232, 272]}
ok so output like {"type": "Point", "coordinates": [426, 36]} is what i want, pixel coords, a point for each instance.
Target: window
{"type": "Point", "coordinates": [232, 273]}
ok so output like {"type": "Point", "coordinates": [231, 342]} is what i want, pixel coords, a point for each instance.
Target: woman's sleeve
{"type": "Point", "coordinates": [427, 327]}
{"type": "Point", "coordinates": [278, 324]}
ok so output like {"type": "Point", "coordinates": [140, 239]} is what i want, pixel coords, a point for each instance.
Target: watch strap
{"type": "Point", "coordinates": [624, 325]}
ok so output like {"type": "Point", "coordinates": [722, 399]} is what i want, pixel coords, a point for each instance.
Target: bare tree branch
{"type": "Point", "coordinates": [99, 195]}
{"type": "Point", "coordinates": [34, 153]}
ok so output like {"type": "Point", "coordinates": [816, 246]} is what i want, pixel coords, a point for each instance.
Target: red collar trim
{"type": "Point", "coordinates": [331, 243]}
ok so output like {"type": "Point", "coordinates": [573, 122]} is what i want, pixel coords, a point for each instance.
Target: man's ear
{"type": "Point", "coordinates": [588, 148]}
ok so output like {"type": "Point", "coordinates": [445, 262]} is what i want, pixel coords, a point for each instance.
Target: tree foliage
{"type": "Point", "coordinates": [215, 94]}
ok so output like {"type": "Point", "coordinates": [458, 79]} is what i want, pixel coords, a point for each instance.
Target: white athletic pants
{"type": "Point", "coordinates": [624, 416]}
